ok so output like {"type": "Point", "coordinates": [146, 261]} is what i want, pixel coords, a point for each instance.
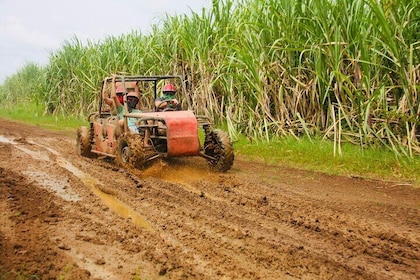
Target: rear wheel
{"type": "Point", "coordinates": [219, 146]}
{"type": "Point", "coordinates": [83, 143]}
{"type": "Point", "coordinates": [130, 151]}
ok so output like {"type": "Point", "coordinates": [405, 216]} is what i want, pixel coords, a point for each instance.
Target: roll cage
{"type": "Point", "coordinates": [148, 82]}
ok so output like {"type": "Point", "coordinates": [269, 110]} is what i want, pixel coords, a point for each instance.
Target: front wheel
{"type": "Point", "coordinates": [130, 151]}
{"type": "Point", "coordinates": [83, 142]}
{"type": "Point", "coordinates": [219, 146]}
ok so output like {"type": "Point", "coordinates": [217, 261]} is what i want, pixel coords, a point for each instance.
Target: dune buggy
{"type": "Point", "coordinates": [158, 134]}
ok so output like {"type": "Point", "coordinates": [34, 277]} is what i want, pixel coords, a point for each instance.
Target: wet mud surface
{"type": "Point", "coordinates": [67, 217]}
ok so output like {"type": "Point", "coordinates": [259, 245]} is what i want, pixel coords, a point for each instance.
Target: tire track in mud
{"type": "Point", "coordinates": [297, 224]}
{"type": "Point", "coordinates": [183, 196]}
{"type": "Point", "coordinates": [240, 226]}
{"type": "Point", "coordinates": [87, 181]}
{"type": "Point", "coordinates": [345, 235]}
{"type": "Point", "coordinates": [84, 248]}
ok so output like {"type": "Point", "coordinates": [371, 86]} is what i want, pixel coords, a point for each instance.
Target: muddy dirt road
{"type": "Point", "coordinates": [67, 217]}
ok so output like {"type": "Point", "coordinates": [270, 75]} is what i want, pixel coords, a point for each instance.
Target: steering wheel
{"type": "Point", "coordinates": [167, 108]}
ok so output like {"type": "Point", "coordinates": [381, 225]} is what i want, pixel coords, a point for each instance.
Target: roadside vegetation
{"type": "Point", "coordinates": [306, 153]}
{"type": "Point", "coordinates": [341, 76]}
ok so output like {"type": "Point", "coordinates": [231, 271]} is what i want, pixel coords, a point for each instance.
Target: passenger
{"type": "Point", "coordinates": [116, 99]}
{"type": "Point", "coordinates": [167, 101]}
{"type": "Point", "coordinates": [133, 99]}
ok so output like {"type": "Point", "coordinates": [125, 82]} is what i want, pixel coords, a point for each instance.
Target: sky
{"type": "Point", "coordinates": [31, 29]}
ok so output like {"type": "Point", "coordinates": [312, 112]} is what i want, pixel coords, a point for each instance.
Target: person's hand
{"type": "Point", "coordinates": [113, 89]}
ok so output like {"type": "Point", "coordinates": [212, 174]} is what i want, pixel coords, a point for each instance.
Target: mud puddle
{"type": "Point", "coordinates": [63, 189]}
{"type": "Point", "coordinates": [60, 186]}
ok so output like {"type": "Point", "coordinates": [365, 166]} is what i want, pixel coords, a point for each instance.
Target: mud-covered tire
{"type": "Point", "coordinates": [83, 142]}
{"type": "Point", "coordinates": [130, 151]}
{"type": "Point", "coordinates": [220, 147]}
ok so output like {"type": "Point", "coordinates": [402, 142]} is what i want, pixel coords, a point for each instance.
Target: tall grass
{"type": "Point", "coordinates": [348, 70]}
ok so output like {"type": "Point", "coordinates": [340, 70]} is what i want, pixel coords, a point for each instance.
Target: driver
{"type": "Point", "coordinates": [167, 100]}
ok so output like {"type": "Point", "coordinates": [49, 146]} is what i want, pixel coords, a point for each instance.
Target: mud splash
{"type": "Point", "coordinates": [185, 172]}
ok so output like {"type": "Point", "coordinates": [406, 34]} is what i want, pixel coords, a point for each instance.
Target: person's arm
{"type": "Point", "coordinates": [159, 104]}
{"type": "Point", "coordinates": [175, 104]}
{"type": "Point", "coordinates": [137, 89]}
{"type": "Point", "coordinates": [107, 100]}
{"type": "Point", "coordinates": [114, 94]}
{"type": "Point", "coordinates": [175, 101]}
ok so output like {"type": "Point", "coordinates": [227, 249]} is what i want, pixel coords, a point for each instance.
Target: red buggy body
{"type": "Point", "coordinates": [182, 132]}
{"type": "Point", "coordinates": [158, 134]}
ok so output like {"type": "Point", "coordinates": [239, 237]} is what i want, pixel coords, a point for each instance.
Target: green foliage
{"type": "Point", "coordinates": [22, 87]}
{"type": "Point", "coordinates": [33, 114]}
{"type": "Point", "coordinates": [316, 154]}
{"type": "Point", "coordinates": [347, 69]}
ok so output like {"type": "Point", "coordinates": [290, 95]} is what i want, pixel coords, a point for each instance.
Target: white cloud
{"type": "Point", "coordinates": [29, 29]}
{"type": "Point", "coordinates": [15, 32]}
